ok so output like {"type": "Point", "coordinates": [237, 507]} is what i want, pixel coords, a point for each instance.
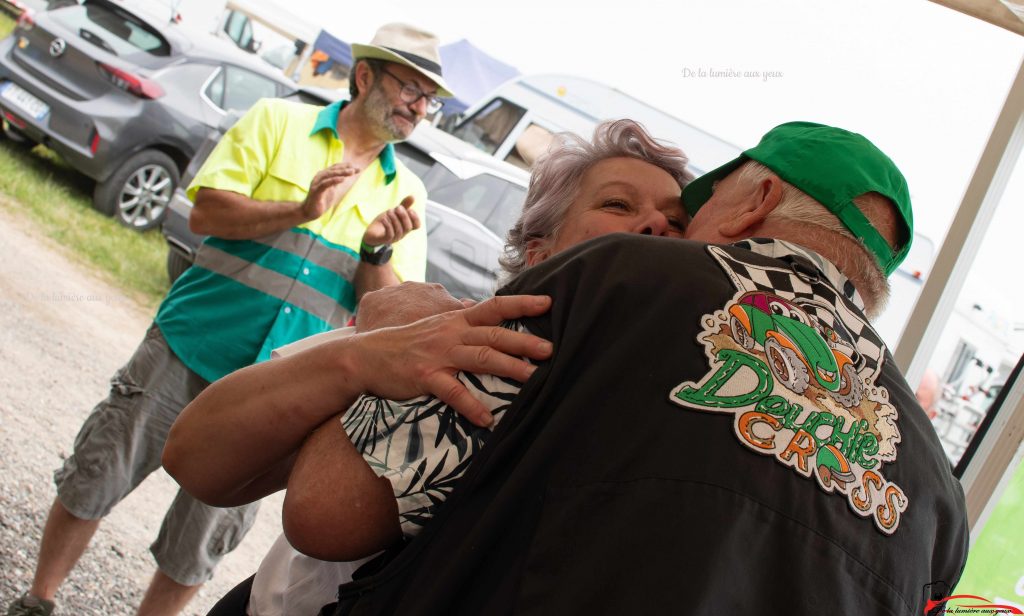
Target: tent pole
{"type": "Point", "coordinates": [965, 237]}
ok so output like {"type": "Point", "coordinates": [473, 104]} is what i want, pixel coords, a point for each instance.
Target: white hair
{"type": "Point", "coordinates": [820, 227]}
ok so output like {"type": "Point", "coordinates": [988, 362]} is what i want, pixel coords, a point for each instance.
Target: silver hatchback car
{"type": "Point", "coordinates": [124, 98]}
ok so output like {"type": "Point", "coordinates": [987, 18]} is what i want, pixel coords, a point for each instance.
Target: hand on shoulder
{"type": "Point", "coordinates": [424, 357]}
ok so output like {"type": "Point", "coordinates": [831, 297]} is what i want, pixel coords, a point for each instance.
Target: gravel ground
{"type": "Point", "coordinates": [63, 333]}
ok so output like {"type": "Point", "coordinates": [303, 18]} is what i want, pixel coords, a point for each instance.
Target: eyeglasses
{"type": "Point", "coordinates": [411, 93]}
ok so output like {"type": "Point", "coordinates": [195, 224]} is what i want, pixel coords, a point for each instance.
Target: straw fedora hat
{"type": "Point", "coordinates": [404, 44]}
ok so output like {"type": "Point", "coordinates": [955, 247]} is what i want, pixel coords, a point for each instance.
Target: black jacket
{"type": "Point", "coordinates": [600, 493]}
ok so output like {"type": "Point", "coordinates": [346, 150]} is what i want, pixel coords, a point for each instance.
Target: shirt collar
{"type": "Point", "coordinates": [327, 119]}
{"type": "Point", "coordinates": [780, 249]}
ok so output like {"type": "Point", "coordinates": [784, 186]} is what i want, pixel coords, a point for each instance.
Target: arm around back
{"type": "Point", "coordinates": [235, 442]}
{"type": "Point", "coordinates": [241, 432]}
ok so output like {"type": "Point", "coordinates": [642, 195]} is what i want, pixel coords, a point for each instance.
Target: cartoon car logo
{"type": "Point", "coordinates": [795, 346]}
{"type": "Point", "coordinates": [832, 329]}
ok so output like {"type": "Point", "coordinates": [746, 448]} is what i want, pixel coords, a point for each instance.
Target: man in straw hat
{"type": "Point", "coordinates": [289, 197]}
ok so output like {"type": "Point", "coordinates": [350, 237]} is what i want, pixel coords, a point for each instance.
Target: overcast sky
{"type": "Point", "coordinates": [923, 82]}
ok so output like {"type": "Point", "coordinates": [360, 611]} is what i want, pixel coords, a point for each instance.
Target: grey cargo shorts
{"type": "Point", "coordinates": [120, 444]}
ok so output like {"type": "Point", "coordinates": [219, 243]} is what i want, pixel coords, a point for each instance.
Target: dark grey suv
{"type": "Point", "coordinates": [472, 201]}
{"type": "Point", "coordinates": [124, 98]}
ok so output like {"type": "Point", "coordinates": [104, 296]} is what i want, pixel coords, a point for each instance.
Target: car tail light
{"type": "Point", "coordinates": [15, 120]}
{"type": "Point", "coordinates": [94, 141]}
{"type": "Point", "coordinates": [132, 84]}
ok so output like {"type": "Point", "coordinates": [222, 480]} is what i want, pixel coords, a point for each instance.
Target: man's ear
{"type": "Point", "coordinates": [761, 200]}
{"type": "Point", "coordinates": [364, 77]}
{"type": "Point", "coordinates": [536, 251]}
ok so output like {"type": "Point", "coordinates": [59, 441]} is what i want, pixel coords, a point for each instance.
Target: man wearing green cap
{"type": "Point", "coordinates": [841, 180]}
{"type": "Point", "coordinates": [719, 430]}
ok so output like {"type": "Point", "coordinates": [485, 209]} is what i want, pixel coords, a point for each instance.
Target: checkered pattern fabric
{"type": "Point", "coordinates": [812, 283]}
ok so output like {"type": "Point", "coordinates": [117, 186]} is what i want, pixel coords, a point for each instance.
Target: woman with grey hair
{"type": "Point", "coordinates": [621, 181]}
{"type": "Point", "coordinates": [571, 171]}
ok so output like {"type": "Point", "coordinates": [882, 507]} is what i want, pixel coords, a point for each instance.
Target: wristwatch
{"type": "Point", "coordinates": [375, 255]}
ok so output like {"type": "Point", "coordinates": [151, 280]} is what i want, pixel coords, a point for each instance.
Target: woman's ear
{"type": "Point", "coordinates": [536, 251]}
{"type": "Point", "coordinates": [760, 201]}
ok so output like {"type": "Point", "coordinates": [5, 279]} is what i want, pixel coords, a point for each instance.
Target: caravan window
{"type": "Point", "coordinates": [490, 126]}
{"type": "Point", "coordinates": [238, 27]}
{"type": "Point", "coordinates": [530, 144]}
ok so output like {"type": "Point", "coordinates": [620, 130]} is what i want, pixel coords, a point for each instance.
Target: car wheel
{"type": "Point", "coordinates": [851, 389]}
{"type": "Point", "coordinates": [741, 335]}
{"type": "Point", "coordinates": [786, 366]}
{"type": "Point", "coordinates": [177, 263]}
{"type": "Point", "coordinates": [137, 194]}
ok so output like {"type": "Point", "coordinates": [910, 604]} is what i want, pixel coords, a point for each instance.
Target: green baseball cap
{"type": "Point", "coordinates": [833, 166]}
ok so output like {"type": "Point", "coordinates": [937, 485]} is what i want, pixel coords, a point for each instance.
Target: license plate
{"type": "Point", "coordinates": [18, 97]}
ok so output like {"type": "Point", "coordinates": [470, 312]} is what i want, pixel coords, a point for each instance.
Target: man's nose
{"type": "Point", "coordinates": [420, 107]}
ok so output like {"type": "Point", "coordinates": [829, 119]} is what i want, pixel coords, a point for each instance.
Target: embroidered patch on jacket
{"type": "Point", "coordinates": [796, 364]}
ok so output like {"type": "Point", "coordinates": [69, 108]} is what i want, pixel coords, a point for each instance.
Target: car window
{"type": "Point", "coordinates": [506, 213]}
{"type": "Point", "coordinates": [215, 89]}
{"type": "Point", "coordinates": [113, 29]}
{"type": "Point", "coordinates": [418, 162]}
{"type": "Point", "coordinates": [490, 126]}
{"type": "Point", "coordinates": [483, 197]}
{"type": "Point", "coordinates": [237, 88]}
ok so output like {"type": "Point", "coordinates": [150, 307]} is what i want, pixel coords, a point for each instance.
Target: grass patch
{"type": "Point", "coordinates": [57, 201]}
